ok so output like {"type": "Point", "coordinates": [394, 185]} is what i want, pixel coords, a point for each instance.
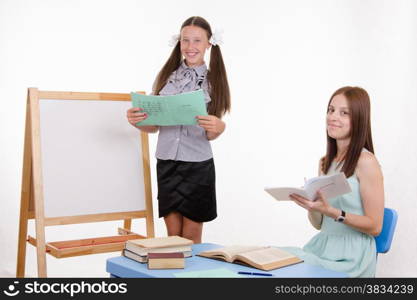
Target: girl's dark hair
{"type": "Point", "coordinates": [360, 132]}
{"type": "Point", "coordinates": [216, 75]}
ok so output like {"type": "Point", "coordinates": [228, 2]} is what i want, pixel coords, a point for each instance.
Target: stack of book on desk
{"type": "Point", "coordinates": [140, 249]}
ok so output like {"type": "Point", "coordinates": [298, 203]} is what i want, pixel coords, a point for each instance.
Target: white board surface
{"type": "Point", "coordinates": [91, 158]}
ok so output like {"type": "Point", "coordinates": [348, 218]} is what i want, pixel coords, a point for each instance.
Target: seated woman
{"type": "Point", "coordinates": [348, 223]}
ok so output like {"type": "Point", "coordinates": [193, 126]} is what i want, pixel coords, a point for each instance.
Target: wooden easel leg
{"type": "Point", "coordinates": [21, 247]}
{"type": "Point", "coordinates": [25, 196]}
{"type": "Point", "coordinates": [37, 180]}
{"type": "Point", "coordinates": [127, 224]}
{"type": "Point", "coordinates": [41, 248]}
{"type": "Point", "coordinates": [150, 232]}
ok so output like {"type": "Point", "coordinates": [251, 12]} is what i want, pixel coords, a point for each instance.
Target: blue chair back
{"type": "Point", "coordinates": [384, 239]}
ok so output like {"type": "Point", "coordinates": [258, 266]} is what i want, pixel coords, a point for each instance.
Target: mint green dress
{"type": "Point", "coordinates": [337, 246]}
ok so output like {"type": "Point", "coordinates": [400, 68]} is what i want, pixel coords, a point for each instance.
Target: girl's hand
{"type": "Point", "coordinates": [320, 204]}
{"type": "Point", "coordinates": [134, 115]}
{"type": "Point", "coordinates": [211, 124]}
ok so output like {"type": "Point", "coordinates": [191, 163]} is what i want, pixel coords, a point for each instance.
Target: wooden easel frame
{"type": "Point", "coordinates": [32, 199]}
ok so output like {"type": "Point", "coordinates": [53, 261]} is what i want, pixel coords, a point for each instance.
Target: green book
{"type": "Point", "coordinates": [180, 109]}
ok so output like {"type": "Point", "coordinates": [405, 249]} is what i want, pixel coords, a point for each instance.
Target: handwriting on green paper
{"type": "Point", "coordinates": [180, 109]}
{"type": "Point", "coordinates": [213, 273]}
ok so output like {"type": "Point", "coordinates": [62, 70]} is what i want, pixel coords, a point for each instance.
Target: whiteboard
{"type": "Point", "coordinates": [91, 158]}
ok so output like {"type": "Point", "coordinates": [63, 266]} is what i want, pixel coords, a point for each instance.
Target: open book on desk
{"type": "Point", "coordinates": [263, 258]}
{"type": "Point", "coordinates": [330, 185]}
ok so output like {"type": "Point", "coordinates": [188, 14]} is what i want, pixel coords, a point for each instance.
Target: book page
{"type": "Point", "coordinates": [283, 193]}
{"type": "Point", "coordinates": [266, 255]}
{"type": "Point", "coordinates": [229, 252]}
{"type": "Point", "coordinates": [180, 109]}
{"type": "Point", "coordinates": [330, 185]}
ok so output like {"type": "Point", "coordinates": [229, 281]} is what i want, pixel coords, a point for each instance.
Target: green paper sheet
{"type": "Point", "coordinates": [213, 273]}
{"type": "Point", "coordinates": [180, 109]}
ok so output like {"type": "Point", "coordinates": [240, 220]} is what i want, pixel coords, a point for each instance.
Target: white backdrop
{"type": "Point", "coordinates": [284, 60]}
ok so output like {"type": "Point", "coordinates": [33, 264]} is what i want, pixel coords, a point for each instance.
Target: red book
{"type": "Point", "coordinates": [174, 260]}
{"type": "Point", "coordinates": [165, 255]}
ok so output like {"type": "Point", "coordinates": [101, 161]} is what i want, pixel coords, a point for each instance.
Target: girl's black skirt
{"type": "Point", "coordinates": [188, 188]}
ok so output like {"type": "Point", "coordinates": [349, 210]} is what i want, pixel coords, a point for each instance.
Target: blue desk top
{"type": "Point", "coordinates": [124, 267]}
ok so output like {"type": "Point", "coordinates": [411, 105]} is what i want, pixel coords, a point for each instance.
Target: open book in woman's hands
{"type": "Point", "coordinates": [330, 185]}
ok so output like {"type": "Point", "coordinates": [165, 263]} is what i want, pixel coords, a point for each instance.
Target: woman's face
{"type": "Point", "coordinates": [194, 43]}
{"type": "Point", "coordinates": [338, 118]}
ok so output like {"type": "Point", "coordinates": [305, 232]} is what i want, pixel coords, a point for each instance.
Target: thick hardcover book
{"type": "Point", "coordinates": [166, 260]}
{"type": "Point", "coordinates": [162, 245]}
{"type": "Point", "coordinates": [263, 258]}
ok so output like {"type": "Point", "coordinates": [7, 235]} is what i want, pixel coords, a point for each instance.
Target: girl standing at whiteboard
{"type": "Point", "coordinates": [348, 223]}
{"type": "Point", "coordinates": [185, 166]}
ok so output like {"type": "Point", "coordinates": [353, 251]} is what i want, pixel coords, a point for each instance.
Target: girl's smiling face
{"type": "Point", "coordinates": [338, 118]}
{"type": "Point", "coordinates": [194, 43]}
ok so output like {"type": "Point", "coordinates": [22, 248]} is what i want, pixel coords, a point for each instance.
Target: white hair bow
{"type": "Point", "coordinates": [217, 37]}
{"type": "Point", "coordinates": [174, 40]}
